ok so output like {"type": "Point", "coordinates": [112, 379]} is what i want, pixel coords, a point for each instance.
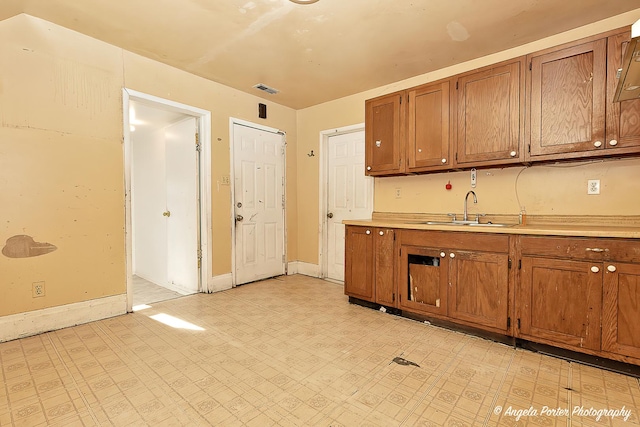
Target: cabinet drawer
{"type": "Point", "coordinates": [582, 248]}
{"type": "Point", "coordinates": [456, 240]}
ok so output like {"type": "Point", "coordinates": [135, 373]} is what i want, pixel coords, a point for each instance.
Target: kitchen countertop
{"type": "Point", "coordinates": [628, 231]}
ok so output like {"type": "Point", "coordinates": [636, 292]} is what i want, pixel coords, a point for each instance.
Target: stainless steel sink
{"type": "Point", "coordinates": [467, 223]}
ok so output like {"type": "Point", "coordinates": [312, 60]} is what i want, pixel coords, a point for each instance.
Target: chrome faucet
{"type": "Point", "coordinates": [475, 200]}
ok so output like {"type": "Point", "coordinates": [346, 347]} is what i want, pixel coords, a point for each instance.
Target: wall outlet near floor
{"type": "Point", "coordinates": [398, 193]}
{"type": "Point", "coordinates": [225, 180]}
{"type": "Point", "coordinates": [37, 289]}
{"type": "Point", "coordinates": [593, 186]}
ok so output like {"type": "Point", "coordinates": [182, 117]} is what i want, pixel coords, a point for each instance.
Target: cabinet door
{"type": "Point", "coordinates": [489, 126]}
{"type": "Point", "coordinates": [623, 118]}
{"type": "Point", "coordinates": [383, 134]}
{"type": "Point", "coordinates": [429, 128]}
{"type": "Point", "coordinates": [358, 275]}
{"type": "Point", "coordinates": [423, 280]}
{"type": "Point", "coordinates": [479, 288]}
{"type": "Point", "coordinates": [384, 251]}
{"type": "Point", "coordinates": [621, 311]}
{"type": "Point", "coordinates": [567, 89]}
{"type": "Point", "coordinates": [561, 302]}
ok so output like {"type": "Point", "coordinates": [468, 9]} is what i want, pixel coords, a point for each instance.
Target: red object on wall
{"type": "Point", "coordinates": [448, 186]}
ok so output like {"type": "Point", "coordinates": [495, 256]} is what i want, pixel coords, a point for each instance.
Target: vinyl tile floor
{"type": "Point", "coordinates": [291, 351]}
{"type": "Point", "coordinates": [146, 292]}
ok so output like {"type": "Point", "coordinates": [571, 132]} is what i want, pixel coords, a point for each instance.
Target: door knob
{"type": "Point", "coordinates": [239, 218]}
{"type": "Point", "coordinates": [167, 214]}
{"type": "Point", "coordinates": [330, 215]}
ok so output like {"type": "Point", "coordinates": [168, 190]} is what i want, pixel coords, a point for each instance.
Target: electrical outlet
{"type": "Point", "coordinates": [37, 289]}
{"type": "Point", "coordinates": [225, 180]}
{"type": "Point", "coordinates": [398, 193]}
{"type": "Point", "coordinates": [593, 186]}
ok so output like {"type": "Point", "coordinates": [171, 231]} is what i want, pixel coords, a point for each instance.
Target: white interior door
{"type": "Point", "coordinates": [349, 194]}
{"type": "Point", "coordinates": [182, 204]}
{"type": "Point", "coordinates": [149, 243]}
{"type": "Point", "coordinates": [258, 203]}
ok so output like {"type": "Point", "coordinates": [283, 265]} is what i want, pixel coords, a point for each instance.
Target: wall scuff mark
{"type": "Point", "coordinates": [23, 246]}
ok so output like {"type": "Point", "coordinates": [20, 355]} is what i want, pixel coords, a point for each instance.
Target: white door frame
{"type": "Point", "coordinates": [324, 194]}
{"type": "Point", "coordinates": [203, 118]}
{"type": "Point", "coordinates": [234, 121]}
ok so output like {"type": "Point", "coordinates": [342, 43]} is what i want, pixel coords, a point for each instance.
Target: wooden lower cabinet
{"type": "Point", "coordinates": [479, 288]}
{"type": "Point", "coordinates": [560, 301]}
{"type": "Point", "coordinates": [370, 264]}
{"type": "Point", "coordinates": [423, 280]}
{"type": "Point", "coordinates": [455, 276]}
{"type": "Point", "coordinates": [358, 263]}
{"type": "Point", "coordinates": [620, 325]}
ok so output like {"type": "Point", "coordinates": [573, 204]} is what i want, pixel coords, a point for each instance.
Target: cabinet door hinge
{"type": "Point", "coordinates": [518, 323]}
{"type": "Point", "coordinates": [197, 142]}
{"type": "Point", "coordinates": [508, 322]}
{"type": "Point", "coordinates": [393, 297]}
{"type": "Point", "coordinates": [519, 264]}
{"type": "Point", "coordinates": [529, 66]}
{"type": "Point", "coordinates": [456, 157]}
{"type": "Point", "coordinates": [509, 265]}
{"type": "Point", "coordinates": [400, 99]}
{"type": "Point", "coordinates": [529, 148]}
{"type": "Point", "coordinates": [456, 85]}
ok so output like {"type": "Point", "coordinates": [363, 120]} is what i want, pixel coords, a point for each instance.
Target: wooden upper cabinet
{"type": "Point", "coordinates": [567, 91]}
{"type": "Point", "coordinates": [428, 127]}
{"type": "Point", "coordinates": [623, 118]}
{"type": "Point", "coordinates": [384, 121]}
{"type": "Point", "coordinates": [490, 110]}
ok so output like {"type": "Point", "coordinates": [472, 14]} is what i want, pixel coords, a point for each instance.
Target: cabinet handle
{"type": "Point", "coordinates": [613, 142]}
{"type": "Point", "coordinates": [444, 160]}
{"type": "Point", "coordinates": [381, 233]}
{"type": "Point", "coordinates": [368, 231]}
{"type": "Point", "coordinates": [368, 168]}
{"type": "Point", "coordinates": [611, 268]}
{"type": "Point", "coordinates": [595, 250]}
{"type": "Point", "coordinates": [513, 154]}
{"type": "Point", "coordinates": [442, 255]}
{"type": "Point", "coordinates": [452, 255]}
{"type": "Point", "coordinates": [595, 269]}
{"type": "Point", "coordinates": [598, 144]}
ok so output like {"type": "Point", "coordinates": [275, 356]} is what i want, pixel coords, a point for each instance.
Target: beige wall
{"type": "Point", "coordinates": [61, 158]}
{"type": "Point", "coordinates": [557, 189]}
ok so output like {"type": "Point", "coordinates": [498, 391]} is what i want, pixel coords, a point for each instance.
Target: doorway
{"type": "Point", "coordinates": [346, 193]}
{"type": "Point", "coordinates": [258, 198]}
{"type": "Point", "coordinates": [166, 215]}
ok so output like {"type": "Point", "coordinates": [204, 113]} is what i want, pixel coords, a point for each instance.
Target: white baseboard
{"type": "Point", "coordinates": [220, 283]}
{"type": "Point", "coordinates": [35, 322]}
{"type": "Point", "coordinates": [305, 268]}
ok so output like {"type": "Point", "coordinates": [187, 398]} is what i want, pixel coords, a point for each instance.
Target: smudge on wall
{"type": "Point", "coordinates": [23, 246]}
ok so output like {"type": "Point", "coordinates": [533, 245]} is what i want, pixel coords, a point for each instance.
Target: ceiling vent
{"type": "Point", "coordinates": [266, 88]}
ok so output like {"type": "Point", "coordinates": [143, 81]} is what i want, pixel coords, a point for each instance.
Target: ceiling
{"type": "Point", "coordinates": [318, 52]}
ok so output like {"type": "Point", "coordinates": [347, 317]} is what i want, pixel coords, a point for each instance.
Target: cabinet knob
{"type": "Point", "coordinates": [368, 168]}
{"type": "Point", "coordinates": [613, 142]}
{"type": "Point", "coordinates": [442, 254]}
{"type": "Point", "coordinates": [513, 154]}
{"type": "Point", "coordinates": [381, 233]}
{"type": "Point", "coordinates": [598, 144]}
{"type": "Point", "coordinates": [368, 231]}
{"type": "Point", "coordinates": [419, 150]}
{"type": "Point", "coordinates": [452, 255]}
{"type": "Point", "coordinates": [444, 160]}
{"type": "Point", "coordinates": [378, 143]}
{"type": "Point", "coordinates": [611, 268]}
{"type": "Point", "coordinates": [595, 269]}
